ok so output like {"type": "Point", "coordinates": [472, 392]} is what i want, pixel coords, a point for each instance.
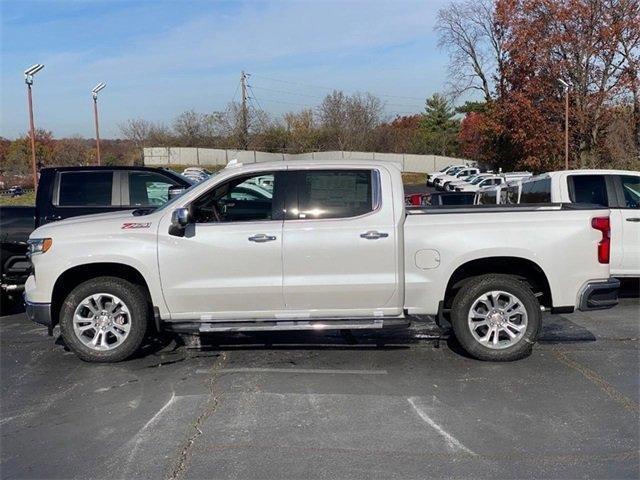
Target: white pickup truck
{"type": "Point", "coordinates": [317, 246]}
{"type": "Point", "coordinates": [618, 190]}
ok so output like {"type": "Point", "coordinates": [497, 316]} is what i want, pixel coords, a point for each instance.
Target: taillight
{"type": "Point", "coordinates": [604, 246]}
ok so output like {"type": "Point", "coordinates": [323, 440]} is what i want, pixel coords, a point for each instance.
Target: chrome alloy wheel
{"type": "Point", "coordinates": [102, 321]}
{"type": "Point", "coordinates": [497, 319]}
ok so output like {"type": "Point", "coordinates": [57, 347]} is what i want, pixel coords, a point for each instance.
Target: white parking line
{"type": "Point", "coordinates": [452, 442]}
{"type": "Point", "coordinates": [295, 370]}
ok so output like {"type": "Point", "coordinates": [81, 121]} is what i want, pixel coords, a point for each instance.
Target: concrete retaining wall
{"type": "Point", "coordinates": [219, 157]}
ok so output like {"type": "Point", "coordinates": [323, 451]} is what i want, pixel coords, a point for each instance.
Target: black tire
{"type": "Point", "coordinates": [464, 300]}
{"type": "Point", "coordinates": [135, 299]}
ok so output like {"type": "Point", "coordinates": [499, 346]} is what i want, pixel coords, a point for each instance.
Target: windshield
{"type": "Point", "coordinates": [477, 180]}
{"type": "Point", "coordinates": [454, 170]}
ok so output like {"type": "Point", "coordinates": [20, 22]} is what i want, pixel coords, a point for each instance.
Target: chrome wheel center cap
{"type": "Point", "coordinates": [496, 318]}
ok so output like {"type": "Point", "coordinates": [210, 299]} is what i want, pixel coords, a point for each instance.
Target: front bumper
{"type": "Point", "coordinates": [39, 313]}
{"type": "Point", "coordinates": [599, 295]}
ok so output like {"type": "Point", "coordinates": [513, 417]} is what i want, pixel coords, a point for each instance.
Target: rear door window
{"type": "Point", "coordinates": [334, 193]}
{"type": "Point", "coordinates": [536, 191]}
{"type": "Point", "coordinates": [85, 189]}
{"type": "Point", "coordinates": [588, 189]}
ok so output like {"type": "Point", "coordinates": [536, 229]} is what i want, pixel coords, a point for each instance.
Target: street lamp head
{"type": "Point", "coordinates": [98, 87]}
{"type": "Point", "coordinates": [566, 85]}
{"type": "Point", "coordinates": [31, 71]}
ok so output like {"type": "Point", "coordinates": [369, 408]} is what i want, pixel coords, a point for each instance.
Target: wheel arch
{"type": "Point", "coordinates": [78, 274]}
{"type": "Point", "coordinates": [524, 269]}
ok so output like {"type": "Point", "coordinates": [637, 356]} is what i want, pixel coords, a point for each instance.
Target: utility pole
{"type": "Point", "coordinates": [566, 122]}
{"type": "Point", "coordinates": [28, 79]}
{"type": "Point", "coordinates": [244, 119]}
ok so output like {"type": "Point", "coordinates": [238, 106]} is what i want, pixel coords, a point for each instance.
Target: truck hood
{"type": "Point", "coordinates": [95, 222]}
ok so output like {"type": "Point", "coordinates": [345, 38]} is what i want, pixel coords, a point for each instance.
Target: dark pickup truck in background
{"type": "Point", "coordinates": [66, 192]}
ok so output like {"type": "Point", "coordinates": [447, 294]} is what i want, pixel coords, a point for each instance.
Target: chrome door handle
{"type": "Point", "coordinates": [633, 219]}
{"type": "Point", "coordinates": [261, 238]}
{"type": "Point", "coordinates": [373, 235]}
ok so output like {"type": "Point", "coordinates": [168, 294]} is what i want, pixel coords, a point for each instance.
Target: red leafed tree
{"type": "Point", "coordinates": [471, 136]}
{"type": "Point", "coordinates": [581, 42]}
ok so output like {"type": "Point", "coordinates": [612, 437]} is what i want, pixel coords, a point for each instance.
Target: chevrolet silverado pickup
{"type": "Point", "coordinates": [303, 245]}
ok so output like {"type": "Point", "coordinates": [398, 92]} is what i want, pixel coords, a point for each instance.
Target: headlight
{"type": "Point", "coordinates": [39, 245]}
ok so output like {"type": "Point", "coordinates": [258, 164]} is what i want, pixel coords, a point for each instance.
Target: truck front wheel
{"type": "Point", "coordinates": [496, 317]}
{"type": "Point", "coordinates": [104, 319]}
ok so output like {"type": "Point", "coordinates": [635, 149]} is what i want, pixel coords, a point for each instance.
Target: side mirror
{"type": "Point", "coordinates": [175, 191]}
{"type": "Point", "coordinates": [179, 221]}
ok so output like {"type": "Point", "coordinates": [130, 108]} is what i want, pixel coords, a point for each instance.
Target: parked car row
{"type": "Point", "coordinates": [462, 178]}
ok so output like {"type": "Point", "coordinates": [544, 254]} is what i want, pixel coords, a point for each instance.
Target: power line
{"type": "Point", "coordinates": [332, 88]}
{"type": "Point", "coordinates": [287, 92]}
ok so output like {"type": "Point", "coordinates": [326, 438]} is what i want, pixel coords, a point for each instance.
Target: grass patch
{"type": "Point", "coordinates": [27, 200]}
{"type": "Point", "coordinates": [414, 178]}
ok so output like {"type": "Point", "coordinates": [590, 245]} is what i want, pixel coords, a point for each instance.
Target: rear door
{"type": "Point", "coordinates": [340, 244]}
{"type": "Point", "coordinates": [627, 216]}
{"type": "Point", "coordinates": [83, 192]}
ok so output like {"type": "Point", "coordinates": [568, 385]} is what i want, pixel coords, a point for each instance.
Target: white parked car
{"type": "Point", "coordinates": [196, 174]}
{"type": "Point", "coordinates": [482, 182]}
{"type": "Point", "coordinates": [332, 247]}
{"type": "Point", "coordinates": [618, 190]}
{"type": "Point", "coordinates": [441, 182]}
{"type": "Point", "coordinates": [451, 186]}
{"type": "Point", "coordinates": [445, 171]}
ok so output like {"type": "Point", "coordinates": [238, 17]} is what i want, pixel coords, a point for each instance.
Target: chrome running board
{"type": "Point", "coordinates": [285, 325]}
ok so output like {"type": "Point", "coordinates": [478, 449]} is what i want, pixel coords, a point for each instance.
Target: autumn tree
{"type": "Point", "coordinates": [579, 41]}
{"type": "Point", "coordinates": [18, 157]}
{"type": "Point", "coordinates": [72, 151]}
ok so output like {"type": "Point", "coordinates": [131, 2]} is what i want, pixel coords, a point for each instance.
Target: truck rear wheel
{"type": "Point", "coordinates": [104, 319]}
{"type": "Point", "coordinates": [496, 317]}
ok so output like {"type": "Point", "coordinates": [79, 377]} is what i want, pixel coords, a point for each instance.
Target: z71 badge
{"type": "Point", "coordinates": [136, 225]}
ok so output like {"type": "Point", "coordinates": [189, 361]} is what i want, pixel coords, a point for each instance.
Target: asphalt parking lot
{"type": "Point", "coordinates": [310, 405]}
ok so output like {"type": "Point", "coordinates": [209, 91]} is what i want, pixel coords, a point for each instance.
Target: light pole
{"type": "Point", "coordinates": [566, 86]}
{"type": "Point", "coordinates": [94, 92]}
{"type": "Point", "coordinates": [28, 79]}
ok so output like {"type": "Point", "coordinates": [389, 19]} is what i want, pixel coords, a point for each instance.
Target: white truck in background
{"type": "Point", "coordinates": [324, 245]}
{"type": "Point", "coordinates": [618, 190]}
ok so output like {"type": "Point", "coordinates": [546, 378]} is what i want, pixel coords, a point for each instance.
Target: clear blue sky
{"type": "Point", "coordinates": [160, 58]}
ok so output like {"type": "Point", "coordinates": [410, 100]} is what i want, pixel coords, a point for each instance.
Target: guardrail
{"type": "Point", "coordinates": [6, 193]}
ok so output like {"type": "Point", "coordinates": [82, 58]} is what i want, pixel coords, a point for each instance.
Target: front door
{"type": "Point", "coordinates": [629, 220]}
{"type": "Point", "coordinates": [229, 262]}
{"type": "Point", "coordinates": [340, 245]}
